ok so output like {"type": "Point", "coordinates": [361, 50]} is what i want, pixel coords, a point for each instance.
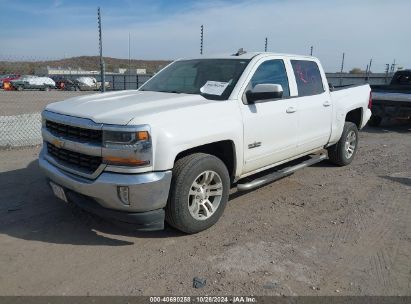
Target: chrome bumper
{"type": "Point", "coordinates": [147, 191]}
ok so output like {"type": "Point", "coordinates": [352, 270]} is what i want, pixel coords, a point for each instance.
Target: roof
{"type": "Point", "coordinates": [246, 55]}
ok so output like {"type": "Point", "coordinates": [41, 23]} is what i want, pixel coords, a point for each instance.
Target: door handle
{"type": "Point", "coordinates": [327, 104]}
{"type": "Point", "coordinates": [291, 110]}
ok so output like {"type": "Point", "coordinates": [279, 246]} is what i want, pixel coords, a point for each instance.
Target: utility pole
{"type": "Point", "coordinates": [129, 55]}
{"type": "Point", "coordinates": [369, 69]}
{"type": "Point", "coordinates": [342, 67]}
{"type": "Point", "coordinates": [393, 67]}
{"type": "Point", "coordinates": [387, 70]}
{"type": "Point", "coordinates": [311, 50]}
{"type": "Point", "coordinates": [102, 67]}
{"type": "Point", "coordinates": [201, 40]}
{"type": "Point", "coordinates": [266, 44]}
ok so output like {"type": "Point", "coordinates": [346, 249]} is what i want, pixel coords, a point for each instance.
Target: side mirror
{"type": "Point", "coordinates": [264, 91]}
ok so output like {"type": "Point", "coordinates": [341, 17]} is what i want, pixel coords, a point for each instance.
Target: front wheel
{"type": "Point", "coordinates": [199, 192]}
{"type": "Point", "coordinates": [343, 152]}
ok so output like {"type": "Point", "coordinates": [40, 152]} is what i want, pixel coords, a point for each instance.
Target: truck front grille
{"type": "Point", "coordinates": [74, 133]}
{"type": "Point", "coordinates": [82, 162]}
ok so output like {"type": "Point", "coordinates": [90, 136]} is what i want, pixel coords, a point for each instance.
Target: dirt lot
{"type": "Point", "coordinates": [322, 231]}
{"type": "Point", "coordinates": [14, 102]}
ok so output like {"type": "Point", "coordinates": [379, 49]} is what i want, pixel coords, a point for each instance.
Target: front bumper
{"type": "Point", "coordinates": [148, 192]}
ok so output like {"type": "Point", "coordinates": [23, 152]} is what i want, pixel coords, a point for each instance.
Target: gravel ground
{"type": "Point", "coordinates": [325, 230]}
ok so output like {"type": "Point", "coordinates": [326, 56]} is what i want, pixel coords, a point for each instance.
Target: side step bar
{"type": "Point", "coordinates": [280, 173]}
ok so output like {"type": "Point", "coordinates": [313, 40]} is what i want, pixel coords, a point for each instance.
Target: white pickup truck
{"type": "Point", "coordinates": [172, 150]}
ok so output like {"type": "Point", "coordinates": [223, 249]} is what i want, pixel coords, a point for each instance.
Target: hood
{"type": "Point", "coordinates": [121, 107]}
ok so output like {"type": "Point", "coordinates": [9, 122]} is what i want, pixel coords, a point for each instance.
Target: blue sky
{"type": "Point", "coordinates": [160, 29]}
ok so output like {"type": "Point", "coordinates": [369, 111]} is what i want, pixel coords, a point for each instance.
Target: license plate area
{"type": "Point", "coordinates": [58, 191]}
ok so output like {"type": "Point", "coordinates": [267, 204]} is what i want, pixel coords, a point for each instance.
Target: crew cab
{"type": "Point", "coordinates": [392, 100]}
{"type": "Point", "coordinates": [171, 150]}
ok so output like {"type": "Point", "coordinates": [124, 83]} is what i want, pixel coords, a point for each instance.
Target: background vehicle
{"type": "Point", "coordinates": [171, 150]}
{"type": "Point", "coordinates": [5, 80]}
{"type": "Point", "coordinates": [88, 84]}
{"type": "Point", "coordinates": [393, 100]}
{"type": "Point", "coordinates": [33, 82]}
{"type": "Point", "coordinates": [63, 83]}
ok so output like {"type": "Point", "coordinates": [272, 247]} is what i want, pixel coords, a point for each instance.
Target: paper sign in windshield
{"type": "Point", "coordinates": [214, 87]}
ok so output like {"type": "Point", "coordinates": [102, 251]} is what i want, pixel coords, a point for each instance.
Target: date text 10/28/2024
{"type": "Point", "coordinates": [205, 299]}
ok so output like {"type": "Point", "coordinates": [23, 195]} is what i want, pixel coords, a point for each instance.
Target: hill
{"type": "Point", "coordinates": [83, 62]}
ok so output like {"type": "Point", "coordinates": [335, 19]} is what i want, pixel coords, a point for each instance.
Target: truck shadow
{"type": "Point", "coordinates": [29, 211]}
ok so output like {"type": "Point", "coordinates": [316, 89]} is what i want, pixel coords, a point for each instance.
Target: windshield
{"type": "Point", "coordinates": [212, 78]}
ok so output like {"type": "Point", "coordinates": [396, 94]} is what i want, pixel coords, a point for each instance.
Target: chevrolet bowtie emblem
{"type": "Point", "coordinates": [58, 143]}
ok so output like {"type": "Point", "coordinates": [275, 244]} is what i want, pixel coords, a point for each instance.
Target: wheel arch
{"type": "Point", "coordinates": [224, 150]}
{"type": "Point", "coordinates": [355, 116]}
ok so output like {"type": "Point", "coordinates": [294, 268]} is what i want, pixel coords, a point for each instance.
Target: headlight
{"type": "Point", "coordinates": [131, 147]}
{"type": "Point", "coordinates": [124, 138]}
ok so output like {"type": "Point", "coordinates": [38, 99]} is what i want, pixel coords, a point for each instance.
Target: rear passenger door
{"type": "Point", "coordinates": [313, 104]}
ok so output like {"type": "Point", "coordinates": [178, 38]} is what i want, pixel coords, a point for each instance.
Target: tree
{"type": "Point", "coordinates": [357, 71]}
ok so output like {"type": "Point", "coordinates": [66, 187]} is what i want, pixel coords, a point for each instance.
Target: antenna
{"type": "Point", "coordinates": [100, 39]}
{"type": "Point", "coordinates": [266, 44]}
{"type": "Point", "coordinates": [201, 40]}
{"type": "Point", "coordinates": [311, 50]}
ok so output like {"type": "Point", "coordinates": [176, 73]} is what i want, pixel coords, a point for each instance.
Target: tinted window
{"type": "Point", "coordinates": [308, 77]}
{"type": "Point", "coordinates": [272, 71]}
{"type": "Point", "coordinates": [188, 76]}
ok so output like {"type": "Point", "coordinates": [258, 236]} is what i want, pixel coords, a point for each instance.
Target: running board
{"type": "Point", "coordinates": [280, 173]}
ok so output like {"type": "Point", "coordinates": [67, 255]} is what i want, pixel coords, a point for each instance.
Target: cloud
{"type": "Point", "coordinates": [362, 29]}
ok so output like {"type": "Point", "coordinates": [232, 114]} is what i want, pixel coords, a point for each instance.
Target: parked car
{"type": "Point", "coordinates": [89, 84]}
{"type": "Point", "coordinates": [29, 82]}
{"type": "Point", "coordinates": [171, 150]}
{"type": "Point", "coordinates": [5, 80]}
{"type": "Point", "coordinates": [393, 100]}
{"type": "Point", "coordinates": [66, 84]}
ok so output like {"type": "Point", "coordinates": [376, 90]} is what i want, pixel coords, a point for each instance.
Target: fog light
{"type": "Point", "coordinates": [122, 192]}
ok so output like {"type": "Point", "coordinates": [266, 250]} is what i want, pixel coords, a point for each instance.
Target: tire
{"type": "Point", "coordinates": [375, 121]}
{"type": "Point", "coordinates": [192, 213]}
{"type": "Point", "coordinates": [339, 153]}
{"type": "Point", "coordinates": [20, 88]}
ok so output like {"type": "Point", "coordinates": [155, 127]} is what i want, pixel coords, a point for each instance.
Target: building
{"type": "Point", "coordinates": [50, 71]}
{"type": "Point", "coordinates": [131, 71]}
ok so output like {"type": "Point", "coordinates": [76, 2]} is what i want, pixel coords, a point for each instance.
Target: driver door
{"type": "Point", "coordinates": [270, 126]}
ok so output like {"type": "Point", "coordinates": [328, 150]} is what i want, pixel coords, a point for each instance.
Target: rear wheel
{"type": "Point", "coordinates": [375, 121]}
{"type": "Point", "coordinates": [199, 192]}
{"type": "Point", "coordinates": [20, 88]}
{"type": "Point", "coordinates": [343, 152]}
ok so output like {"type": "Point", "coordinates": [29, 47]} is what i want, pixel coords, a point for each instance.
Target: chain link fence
{"type": "Point", "coordinates": [27, 85]}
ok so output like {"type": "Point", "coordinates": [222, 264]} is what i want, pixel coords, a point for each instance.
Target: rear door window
{"type": "Point", "coordinates": [308, 77]}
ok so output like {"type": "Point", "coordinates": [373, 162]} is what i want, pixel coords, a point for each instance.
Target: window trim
{"type": "Point", "coordinates": [258, 64]}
